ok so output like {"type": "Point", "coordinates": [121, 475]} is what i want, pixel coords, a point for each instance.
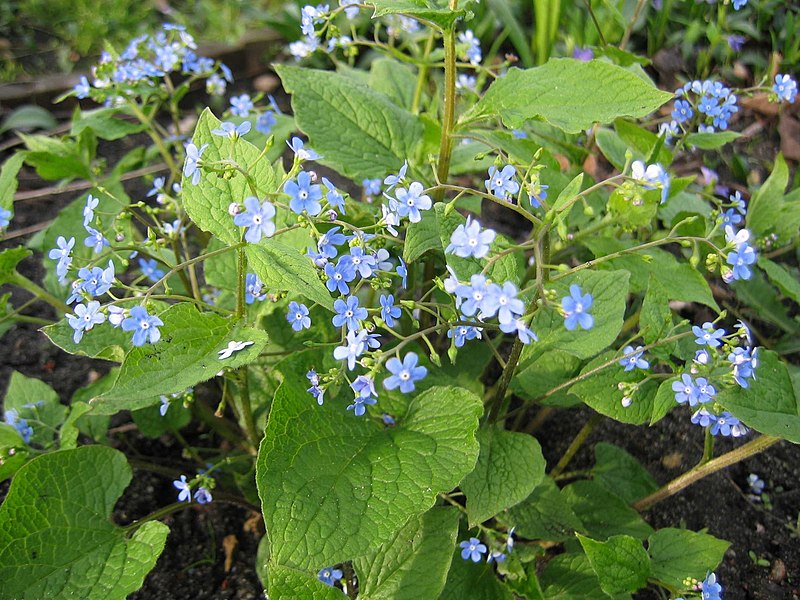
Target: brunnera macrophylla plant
{"type": "Point", "coordinates": [374, 342]}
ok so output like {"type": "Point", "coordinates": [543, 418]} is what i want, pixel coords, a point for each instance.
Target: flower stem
{"type": "Point", "coordinates": [580, 438]}
{"type": "Point", "coordinates": [448, 117]}
{"type": "Point", "coordinates": [39, 292]}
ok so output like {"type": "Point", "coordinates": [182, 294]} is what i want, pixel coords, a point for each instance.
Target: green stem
{"type": "Point", "coordinates": [246, 409]}
{"type": "Point", "coordinates": [580, 438]}
{"type": "Point", "coordinates": [422, 76]}
{"type": "Point", "coordinates": [448, 118]}
{"type": "Point", "coordinates": [241, 267]}
{"type": "Point", "coordinates": [38, 291]}
{"type": "Point", "coordinates": [708, 447]}
{"type": "Point", "coordinates": [156, 514]}
{"type": "Point", "coordinates": [162, 149]}
{"type": "Point", "coordinates": [681, 482]}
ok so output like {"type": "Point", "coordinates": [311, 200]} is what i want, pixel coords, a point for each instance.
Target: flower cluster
{"type": "Point", "coordinates": [25, 431]}
{"type": "Point", "coordinates": [651, 177]}
{"type": "Point", "coordinates": [707, 105]}
{"type": "Point", "coordinates": [203, 485]}
{"type": "Point", "coordinates": [741, 256]}
{"type": "Point", "coordinates": [314, 21]}
{"type": "Point", "coordinates": [785, 88]}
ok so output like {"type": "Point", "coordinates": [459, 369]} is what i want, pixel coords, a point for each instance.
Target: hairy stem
{"type": "Point", "coordinates": [448, 118]}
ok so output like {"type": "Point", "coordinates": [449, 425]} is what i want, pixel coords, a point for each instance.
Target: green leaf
{"type": "Point", "coordinates": [207, 203]}
{"type": "Point", "coordinates": [541, 370]}
{"type": "Point", "coordinates": [599, 390]}
{"type": "Point", "coordinates": [8, 179]}
{"type": "Point", "coordinates": [621, 474]}
{"type": "Point", "coordinates": [14, 452]}
{"type": "Point", "coordinates": [56, 536]}
{"type": "Point", "coordinates": [37, 403]}
{"type": "Point", "coordinates": [341, 492]}
{"type": "Point", "coordinates": [711, 141]}
{"type": "Point", "coordinates": [152, 424]}
{"type": "Point", "coordinates": [544, 515]}
{"type": "Point", "coordinates": [105, 342]}
{"type": "Point", "coordinates": [104, 123]}
{"type": "Point", "coordinates": [610, 292]}
{"type": "Point", "coordinates": [603, 514]}
{"type": "Point", "coordinates": [422, 237]}
{"type": "Point", "coordinates": [664, 400]}
{"type": "Point", "coordinates": [54, 158]}
{"type": "Point", "coordinates": [787, 281]}
{"type": "Point", "coordinates": [621, 563]}
{"type": "Point", "coordinates": [394, 79]}
{"type": "Point", "coordinates": [769, 405]}
{"type": "Point", "coordinates": [363, 133]}
{"type": "Point", "coordinates": [282, 267]}
{"type": "Point", "coordinates": [761, 297]}
{"type": "Point", "coordinates": [678, 554]}
{"type": "Point", "coordinates": [414, 562]}
{"type": "Point", "coordinates": [510, 465]}
{"type": "Point", "coordinates": [770, 211]}
{"type": "Point", "coordinates": [570, 577]}
{"type": "Point", "coordinates": [186, 355]}
{"type": "Point", "coordinates": [28, 117]}
{"type": "Point", "coordinates": [9, 259]}
{"type": "Point", "coordinates": [570, 94]}
{"type": "Point", "coordinates": [425, 10]}
{"type": "Point", "coordinates": [474, 581]}
{"type": "Point", "coordinates": [286, 583]}
{"type": "Point", "coordinates": [655, 320]}
{"type": "Point", "coordinates": [68, 436]}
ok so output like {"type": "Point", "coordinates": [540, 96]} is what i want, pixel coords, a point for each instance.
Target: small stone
{"type": "Point", "coordinates": [778, 571]}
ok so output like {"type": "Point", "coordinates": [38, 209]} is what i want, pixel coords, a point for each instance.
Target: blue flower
{"type": "Point", "coordinates": [202, 495]}
{"type": "Point", "coordinates": [253, 289]}
{"type": "Point", "coordinates": [496, 556]}
{"type": "Point", "coordinates": [464, 333]}
{"type": "Point", "coordinates": [738, 4]}
{"type": "Point", "coordinates": [97, 281]}
{"type": "Point", "coordinates": [354, 346]}
{"type": "Point", "coordinates": [85, 318]}
{"type": "Point", "coordinates": [504, 302]}
{"type": "Point", "coordinates": [710, 589]}
{"type": "Point", "coordinates": [304, 196]}
{"type": "Point", "coordinates": [241, 105]}
{"type": "Point", "coordinates": [708, 336]}
{"type": "Point", "coordinates": [404, 373]}
{"type": "Point", "coordinates": [785, 88]}
{"type": "Point", "coordinates": [686, 391]}
{"type": "Point", "coordinates": [472, 549]}
{"type": "Point", "coordinates": [502, 183]}
{"type": "Point", "coordinates": [257, 218]}
{"type": "Point", "coordinates": [740, 259]}
{"type": "Point", "coordinates": [410, 201]}
{"type": "Point", "coordinates": [372, 187]}
{"type": "Point", "coordinates": [705, 391]}
{"type": "Point", "coordinates": [520, 327]}
{"type": "Point", "coordinates": [88, 210]}
{"type": "Point", "coordinates": [95, 240]}
{"type": "Point", "coordinates": [301, 152]}
{"type": "Point", "coordinates": [393, 180]}
{"type": "Point", "coordinates": [634, 360]}
{"type": "Point", "coordinates": [25, 431]}
{"type": "Point", "coordinates": [265, 122]}
{"type": "Point", "coordinates": [743, 362]}
{"type": "Point", "coordinates": [144, 326]}
{"type": "Point", "coordinates": [349, 313]}
{"type": "Point", "coordinates": [473, 50]}
{"type": "Point", "coordinates": [150, 269]}
{"type": "Point", "coordinates": [402, 271]}
{"type": "Point", "coordinates": [185, 489]}
{"type": "Point", "coordinates": [682, 111]}
{"type": "Point", "coordinates": [329, 240]}
{"type": "Point", "coordinates": [298, 316]}
{"type": "Point", "coordinates": [62, 254]}
{"type": "Point", "coordinates": [389, 312]}
{"type": "Point", "coordinates": [652, 177]}
{"type": "Point", "coordinates": [736, 42]}
{"type": "Point", "coordinates": [191, 168]}
{"type": "Point", "coordinates": [82, 88]}
{"type": "Point", "coordinates": [5, 217]}
{"type": "Point", "coordinates": [339, 276]}
{"type": "Point", "coordinates": [575, 306]}
{"type": "Point", "coordinates": [731, 217]}
{"type": "Point", "coordinates": [468, 240]}
{"type": "Point", "coordinates": [364, 389]}
{"type": "Point", "coordinates": [360, 261]}
{"type": "Point", "coordinates": [231, 130]}
{"type": "Point", "coordinates": [334, 196]}
{"type": "Point", "coordinates": [329, 575]}
{"type": "Point", "coordinates": [164, 405]}
{"type": "Point", "coordinates": [738, 202]}
{"type": "Point", "coordinates": [315, 390]}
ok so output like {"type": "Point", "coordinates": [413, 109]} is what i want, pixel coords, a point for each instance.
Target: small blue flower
{"type": "Point", "coordinates": [635, 360]}
{"type": "Point", "coordinates": [686, 391]}
{"type": "Point", "coordinates": [495, 556]}
{"type": "Point", "coordinates": [393, 180]}
{"type": "Point", "coordinates": [707, 335]}
{"type": "Point", "coordinates": [82, 88]}
{"type": "Point", "coordinates": [301, 152]}
{"type": "Point", "coordinates": [520, 327]}
{"type": "Point", "coordinates": [705, 391]}
{"type": "Point", "coordinates": [364, 389]}
{"type": "Point", "coordinates": [329, 575]}
{"type": "Point", "coordinates": [25, 431]}
{"type": "Point", "coordinates": [253, 289]}
{"type": "Point", "coordinates": [473, 51]}
{"type": "Point", "coordinates": [265, 122]}
{"type": "Point", "coordinates": [575, 306]}
{"type": "Point", "coordinates": [728, 426]}
{"type": "Point", "coordinates": [710, 589]}
{"type": "Point", "coordinates": [743, 362]}
{"type": "Point", "coordinates": [257, 218]}
{"type": "Point", "coordinates": [329, 240]}
{"type": "Point", "coordinates": [738, 4]}
{"type": "Point", "coordinates": [372, 187]}
{"type": "Point", "coordinates": [298, 316]}
{"type": "Point", "coordinates": [334, 196]}
{"type": "Point", "coordinates": [740, 259]}
{"type": "Point", "coordinates": [502, 183]}
{"type": "Point", "coordinates": [731, 217]}
{"type": "Point", "coordinates": [304, 196]}
{"type": "Point", "coordinates": [354, 346]}
{"type": "Point", "coordinates": [502, 301]}
{"type": "Point", "coordinates": [231, 130]}
{"type": "Point", "coordinates": [464, 333]}
{"type": "Point", "coordinates": [85, 318]}
{"type": "Point", "coordinates": [150, 269]}
{"type": "Point", "coordinates": [158, 187]}
{"type": "Point", "coordinates": [62, 253]}
{"type": "Point", "coordinates": [349, 313]}
{"type": "Point", "coordinates": [468, 240]}
{"type": "Point", "coordinates": [736, 42]}
{"type": "Point", "coordinates": [785, 88]}
{"type": "Point", "coordinates": [164, 405]}
{"type": "Point", "coordinates": [389, 312]}
{"type": "Point", "coordinates": [360, 261]}
{"type": "Point", "coordinates": [472, 549]}
{"type": "Point", "coordinates": [185, 488]}
{"type": "Point", "coordinates": [402, 271]}
{"type": "Point", "coordinates": [5, 217]}
{"type": "Point", "coordinates": [241, 105]}
{"type": "Point", "coordinates": [682, 111]}
{"type": "Point", "coordinates": [202, 495]}
{"type": "Point", "coordinates": [95, 240]}
{"type": "Point", "coordinates": [315, 390]}
{"type": "Point", "coordinates": [410, 201]}
{"type": "Point", "coordinates": [144, 326]}
{"type": "Point", "coordinates": [339, 276]}
{"type": "Point", "coordinates": [97, 281]}
{"type": "Point", "coordinates": [191, 168]}
{"type": "Point", "coordinates": [88, 210]}
{"type": "Point", "coordinates": [404, 373]}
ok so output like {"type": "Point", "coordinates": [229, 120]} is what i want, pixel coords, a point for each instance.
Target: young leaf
{"type": "Point", "coordinates": [711, 141]}
{"type": "Point", "coordinates": [342, 492]}
{"type": "Point", "coordinates": [677, 554]}
{"type": "Point", "coordinates": [187, 354]}
{"type": "Point", "coordinates": [570, 94]}
{"type": "Point", "coordinates": [414, 562]}
{"type": "Point", "coordinates": [621, 563]}
{"type": "Point", "coordinates": [359, 132]}
{"type": "Point", "coordinates": [510, 465]}
{"type": "Point", "coordinates": [56, 536]}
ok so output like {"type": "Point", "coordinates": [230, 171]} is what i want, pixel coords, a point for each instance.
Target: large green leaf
{"type": "Point", "coordinates": [769, 405]}
{"type": "Point", "coordinates": [334, 487]}
{"type": "Point", "coordinates": [621, 563]}
{"type": "Point", "coordinates": [186, 354]}
{"type": "Point", "coordinates": [282, 267]}
{"type": "Point", "coordinates": [207, 202]}
{"type": "Point", "coordinates": [414, 562]}
{"type": "Point", "coordinates": [510, 465]}
{"type": "Point", "coordinates": [359, 132]}
{"type": "Point", "coordinates": [56, 536]}
{"type": "Point", "coordinates": [676, 554]}
{"type": "Point", "coordinates": [569, 94]}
